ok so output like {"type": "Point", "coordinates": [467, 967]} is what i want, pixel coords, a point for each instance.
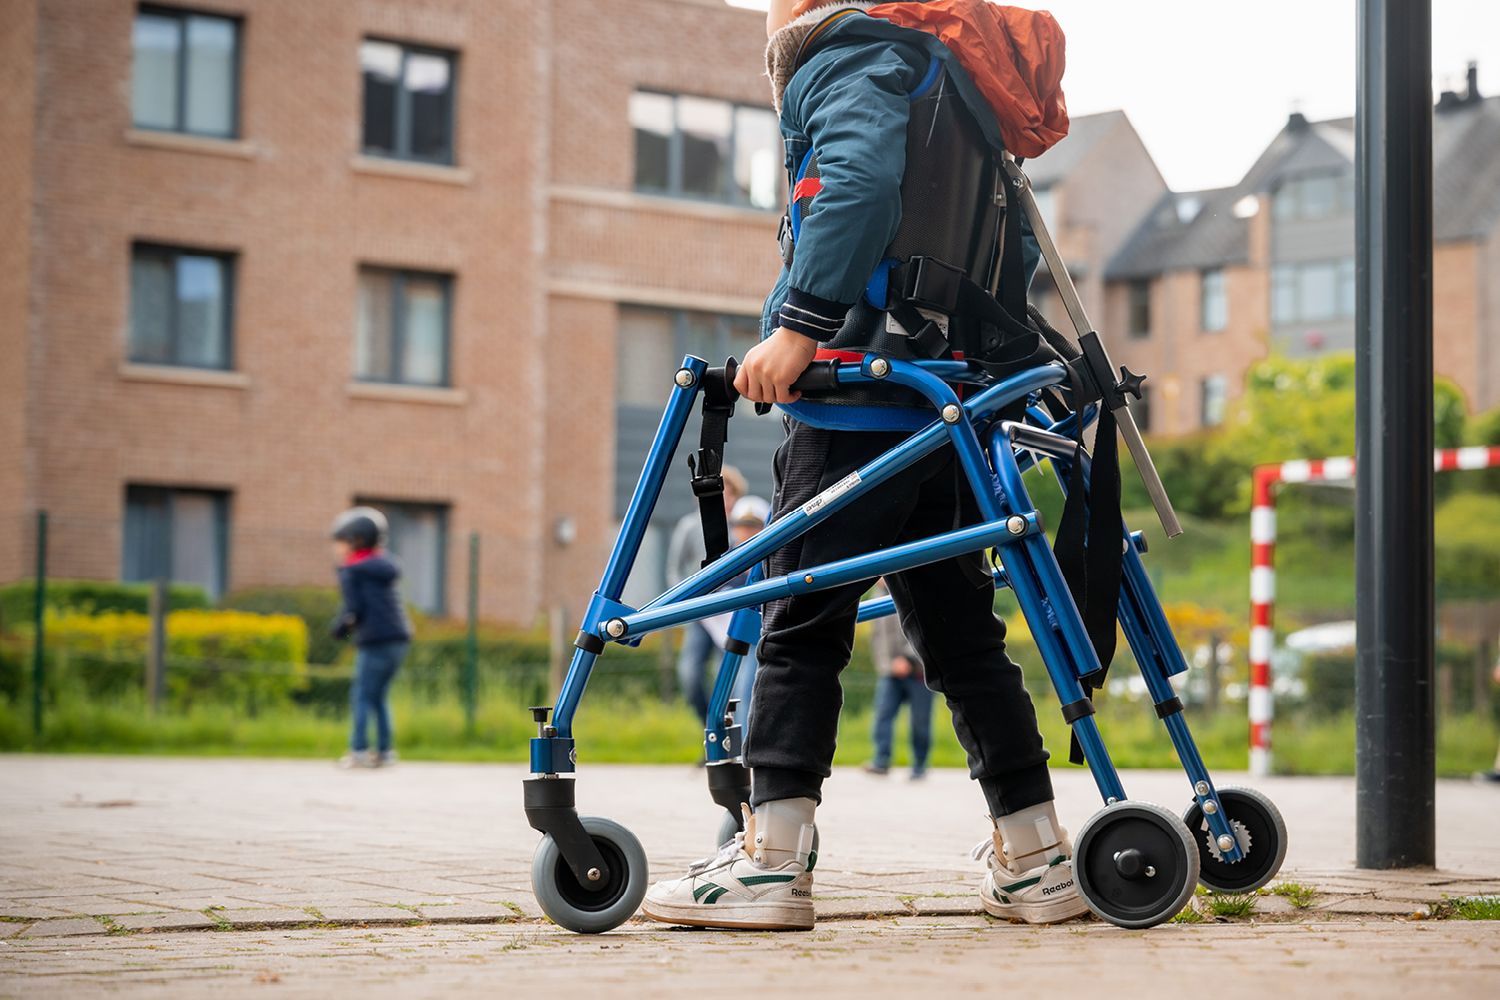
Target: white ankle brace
{"type": "Point", "coordinates": [782, 832]}
{"type": "Point", "coordinates": [1030, 837]}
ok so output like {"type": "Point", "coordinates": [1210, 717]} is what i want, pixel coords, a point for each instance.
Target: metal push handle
{"type": "Point", "coordinates": [1124, 419]}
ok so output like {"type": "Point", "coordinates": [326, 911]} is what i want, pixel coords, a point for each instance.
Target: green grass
{"type": "Point", "coordinates": [1468, 908]}
{"type": "Point", "coordinates": [1230, 904]}
{"type": "Point", "coordinates": [1187, 915]}
{"type": "Point", "coordinates": [647, 731]}
{"type": "Point", "coordinates": [1299, 895]}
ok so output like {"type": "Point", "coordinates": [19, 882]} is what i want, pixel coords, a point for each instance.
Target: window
{"type": "Point", "coordinates": [1213, 302]}
{"type": "Point", "coordinates": [1140, 309]}
{"type": "Point", "coordinates": [419, 538]}
{"type": "Point", "coordinates": [1312, 292]}
{"type": "Point", "coordinates": [181, 307]}
{"type": "Point", "coordinates": [1314, 196]}
{"type": "Point", "coordinates": [695, 147]}
{"type": "Point", "coordinates": [1214, 395]}
{"type": "Point", "coordinates": [653, 342]}
{"type": "Point", "coordinates": [181, 535]}
{"type": "Point", "coordinates": [403, 329]}
{"type": "Point", "coordinates": [408, 101]}
{"type": "Point", "coordinates": [186, 72]}
{"type": "Point", "coordinates": [1046, 206]}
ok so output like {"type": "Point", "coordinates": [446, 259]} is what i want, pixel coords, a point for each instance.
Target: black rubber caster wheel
{"type": "Point", "coordinates": [1135, 863]}
{"type": "Point", "coordinates": [1260, 830]}
{"type": "Point", "coordinates": [591, 909]}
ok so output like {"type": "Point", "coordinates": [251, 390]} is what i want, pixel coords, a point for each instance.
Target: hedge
{"type": "Point", "coordinates": [316, 606]}
{"type": "Point", "coordinates": [90, 597]}
{"type": "Point", "coordinates": [225, 656]}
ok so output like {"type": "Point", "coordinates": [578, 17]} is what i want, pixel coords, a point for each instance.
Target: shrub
{"type": "Point", "coordinates": [316, 606]}
{"type": "Point", "coordinates": [90, 597]}
{"type": "Point", "coordinates": [233, 656]}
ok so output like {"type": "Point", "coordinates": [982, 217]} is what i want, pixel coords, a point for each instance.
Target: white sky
{"type": "Point", "coordinates": [1207, 83]}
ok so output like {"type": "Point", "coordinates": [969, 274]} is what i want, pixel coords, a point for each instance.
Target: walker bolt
{"type": "Point", "coordinates": [594, 875]}
{"type": "Point", "coordinates": [1151, 871]}
{"type": "Point", "coordinates": [880, 367]}
{"type": "Point", "coordinates": [713, 737]}
{"type": "Point", "coordinates": [1226, 842]}
{"type": "Point", "coordinates": [615, 628]}
{"type": "Point", "coordinates": [684, 378]}
{"type": "Point", "coordinates": [1016, 524]}
{"type": "Point", "coordinates": [1201, 788]}
{"type": "Point", "coordinates": [808, 578]}
{"type": "Point", "coordinates": [951, 413]}
{"type": "Point", "coordinates": [1210, 807]}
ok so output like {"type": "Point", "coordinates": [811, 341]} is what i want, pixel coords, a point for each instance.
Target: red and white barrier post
{"type": "Point", "coordinates": [1263, 570]}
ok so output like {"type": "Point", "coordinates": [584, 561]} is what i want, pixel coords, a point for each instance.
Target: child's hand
{"type": "Point", "coordinates": [771, 366]}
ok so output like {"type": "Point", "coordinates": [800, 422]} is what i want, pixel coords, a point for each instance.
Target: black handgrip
{"type": "Point", "coordinates": [820, 376]}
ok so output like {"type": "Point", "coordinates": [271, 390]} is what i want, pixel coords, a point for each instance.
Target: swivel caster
{"type": "Point", "coordinates": [1260, 830]}
{"type": "Point", "coordinates": [591, 909]}
{"type": "Point", "coordinates": [1135, 863]}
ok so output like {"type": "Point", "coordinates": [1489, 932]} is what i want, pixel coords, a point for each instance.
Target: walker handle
{"type": "Point", "coordinates": [820, 376]}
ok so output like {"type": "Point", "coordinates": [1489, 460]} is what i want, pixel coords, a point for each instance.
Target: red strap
{"type": "Point", "coordinates": [807, 187]}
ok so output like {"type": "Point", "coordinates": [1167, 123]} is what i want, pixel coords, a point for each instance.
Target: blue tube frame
{"type": "Point", "coordinates": [1008, 523]}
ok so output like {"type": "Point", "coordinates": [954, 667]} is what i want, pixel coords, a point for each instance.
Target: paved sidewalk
{"type": "Point", "coordinates": [116, 871]}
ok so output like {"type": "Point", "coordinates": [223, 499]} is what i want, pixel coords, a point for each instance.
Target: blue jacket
{"type": "Point", "coordinates": [849, 101]}
{"type": "Point", "coordinates": [373, 611]}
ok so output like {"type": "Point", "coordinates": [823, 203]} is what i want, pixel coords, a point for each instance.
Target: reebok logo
{"type": "Point", "coordinates": [1059, 887]}
{"type": "Point", "coordinates": [804, 893]}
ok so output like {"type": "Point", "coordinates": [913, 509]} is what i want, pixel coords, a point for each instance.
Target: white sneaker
{"type": "Point", "coordinates": [357, 758]}
{"type": "Point", "coordinates": [731, 890]}
{"type": "Point", "coordinates": [1046, 894]}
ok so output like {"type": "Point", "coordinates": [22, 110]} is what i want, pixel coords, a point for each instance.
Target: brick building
{"type": "Point", "coordinates": [265, 258]}
{"type": "Point", "coordinates": [1211, 281]}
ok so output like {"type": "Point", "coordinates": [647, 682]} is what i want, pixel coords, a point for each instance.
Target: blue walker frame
{"type": "Point", "coordinates": [1010, 524]}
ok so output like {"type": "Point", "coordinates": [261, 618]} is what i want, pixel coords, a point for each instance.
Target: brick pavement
{"type": "Point", "coordinates": [121, 864]}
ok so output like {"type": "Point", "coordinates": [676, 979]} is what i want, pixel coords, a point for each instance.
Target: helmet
{"type": "Point", "coordinates": [361, 527]}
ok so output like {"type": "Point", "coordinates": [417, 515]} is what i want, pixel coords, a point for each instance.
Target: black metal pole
{"type": "Point", "coordinates": [1394, 761]}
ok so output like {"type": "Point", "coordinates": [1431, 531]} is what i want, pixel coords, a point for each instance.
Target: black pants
{"type": "Point", "coordinates": [946, 611]}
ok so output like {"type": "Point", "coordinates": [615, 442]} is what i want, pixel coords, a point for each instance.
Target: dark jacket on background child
{"type": "Point", "coordinates": [372, 611]}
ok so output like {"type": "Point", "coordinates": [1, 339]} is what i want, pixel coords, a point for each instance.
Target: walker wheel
{"type": "Point", "coordinates": [1261, 832]}
{"type": "Point", "coordinates": [591, 909]}
{"type": "Point", "coordinates": [1135, 863]}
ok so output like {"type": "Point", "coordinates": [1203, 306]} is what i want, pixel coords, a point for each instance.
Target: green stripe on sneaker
{"type": "Point", "coordinates": [763, 879]}
{"type": "Point", "coordinates": [706, 887]}
{"type": "Point", "coordinates": [1023, 884]}
{"type": "Point", "coordinates": [713, 897]}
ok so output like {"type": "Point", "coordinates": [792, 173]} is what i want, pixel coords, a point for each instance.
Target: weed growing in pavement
{"type": "Point", "coordinates": [1299, 895]}
{"type": "Point", "coordinates": [1231, 904]}
{"type": "Point", "coordinates": [1188, 915]}
{"type": "Point", "coordinates": [1468, 908]}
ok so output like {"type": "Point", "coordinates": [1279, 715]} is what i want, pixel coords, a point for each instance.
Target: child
{"type": "Point", "coordinates": [374, 615]}
{"type": "Point", "coordinates": [847, 85]}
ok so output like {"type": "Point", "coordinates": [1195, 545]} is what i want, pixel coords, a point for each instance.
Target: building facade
{"type": "Point", "coordinates": [1213, 281]}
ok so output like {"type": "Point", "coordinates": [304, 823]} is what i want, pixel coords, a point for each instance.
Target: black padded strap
{"type": "Point", "coordinates": [708, 465]}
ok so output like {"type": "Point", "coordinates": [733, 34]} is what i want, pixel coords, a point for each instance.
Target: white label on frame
{"type": "Point", "coordinates": [831, 494]}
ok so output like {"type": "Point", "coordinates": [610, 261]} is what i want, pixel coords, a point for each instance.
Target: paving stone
{"type": "Point", "coordinates": [65, 927]}
{"type": "Point", "coordinates": [366, 915]}
{"type": "Point", "coordinates": [1368, 905]}
{"type": "Point", "coordinates": [865, 906]}
{"type": "Point", "coordinates": [467, 913]}
{"type": "Point", "coordinates": [180, 921]}
{"type": "Point", "coordinates": [1415, 894]}
{"type": "Point", "coordinates": [241, 919]}
{"type": "Point", "coordinates": [946, 905]}
{"type": "Point", "coordinates": [9, 929]}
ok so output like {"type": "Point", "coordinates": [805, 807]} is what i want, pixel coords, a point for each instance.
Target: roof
{"type": "Point", "coordinates": [1466, 191]}
{"type": "Point", "coordinates": [1084, 132]}
{"type": "Point", "coordinates": [1185, 229]}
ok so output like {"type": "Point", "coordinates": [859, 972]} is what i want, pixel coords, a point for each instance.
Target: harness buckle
{"type": "Point", "coordinates": [784, 240]}
{"type": "Point", "coordinates": [707, 470]}
{"type": "Point", "coordinates": [929, 283]}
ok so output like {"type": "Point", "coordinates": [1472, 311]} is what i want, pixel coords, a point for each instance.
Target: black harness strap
{"type": "Point", "coordinates": [719, 398]}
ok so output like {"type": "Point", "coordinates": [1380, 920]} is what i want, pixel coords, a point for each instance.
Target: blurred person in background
{"type": "Point", "coordinates": [685, 554]}
{"type": "Point", "coordinates": [374, 617]}
{"type": "Point", "coordinates": [900, 681]}
{"type": "Point", "coordinates": [746, 520]}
